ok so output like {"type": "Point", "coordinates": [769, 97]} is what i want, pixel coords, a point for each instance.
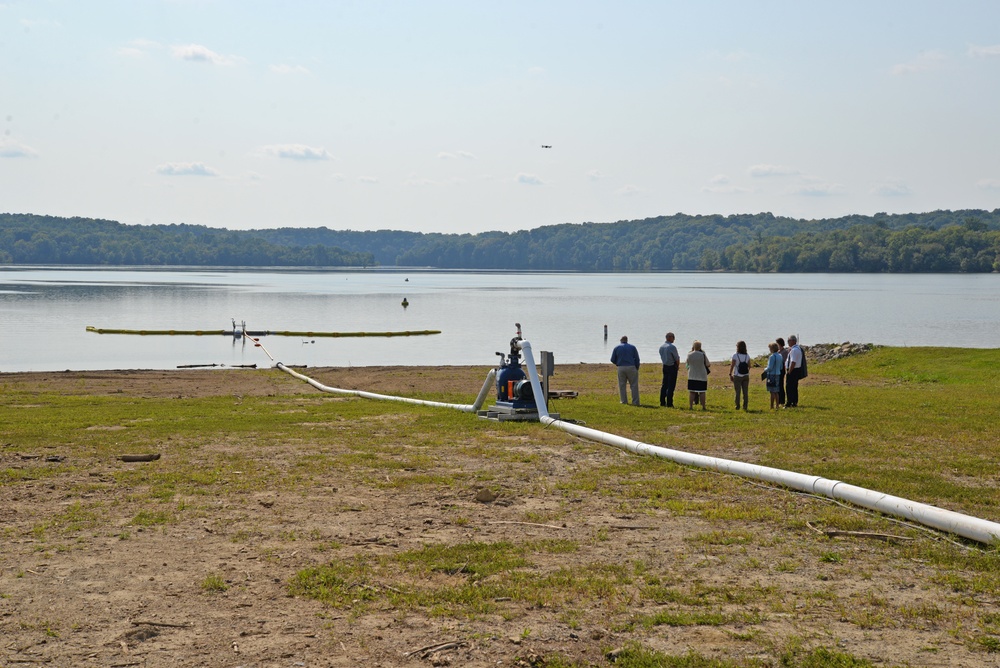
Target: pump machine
{"type": "Point", "coordinates": [515, 397]}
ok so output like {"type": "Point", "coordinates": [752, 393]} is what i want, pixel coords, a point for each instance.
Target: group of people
{"type": "Point", "coordinates": [785, 367]}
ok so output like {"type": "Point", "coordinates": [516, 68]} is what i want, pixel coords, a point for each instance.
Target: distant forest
{"type": "Point", "coordinates": [939, 241]}
{"type": "Point", "coordinates": [30, 239]}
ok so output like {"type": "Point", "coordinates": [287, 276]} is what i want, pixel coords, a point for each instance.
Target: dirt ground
{"type": "Point", "coordinates": [141, 602]}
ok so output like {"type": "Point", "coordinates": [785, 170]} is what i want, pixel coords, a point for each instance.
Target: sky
{"type": "Point", "coordinates": [432, 115]}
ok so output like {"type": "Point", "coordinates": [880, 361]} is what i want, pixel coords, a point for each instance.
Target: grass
{"type": "Point", "coordinates": [637, 656]}
{"type": "Point", "coordinates": [214, 584]}
{"type": "Point", "coordinates": [918, 423]}
{"type": "Point", "coordinates": [464, 580]}
{"type": "Point", "coordinates": [875, 420]}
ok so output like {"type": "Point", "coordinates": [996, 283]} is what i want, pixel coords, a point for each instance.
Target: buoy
{"type": "Point", "coordinates": [405, 303]}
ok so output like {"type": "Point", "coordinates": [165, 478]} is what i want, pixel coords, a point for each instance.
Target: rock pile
{"type": "Point", "coordinates": [824, 352]}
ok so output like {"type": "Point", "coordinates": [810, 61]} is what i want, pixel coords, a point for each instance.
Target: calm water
{"type": "Point", "coordinates": [44, 313]}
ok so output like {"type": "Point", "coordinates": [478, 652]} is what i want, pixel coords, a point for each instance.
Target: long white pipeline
{"type": "Point", "coordinates": [966, 526]}
{"type": "Point", "coordinates": [467, 408]}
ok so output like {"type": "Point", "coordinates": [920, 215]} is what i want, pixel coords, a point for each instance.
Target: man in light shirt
{"type": "Point", "coordinates": [793, 368]}
{"type": "Point", "coordinates": [671, 363]}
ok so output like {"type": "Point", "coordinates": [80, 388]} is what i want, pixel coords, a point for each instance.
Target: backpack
{"type": "Point", "coordinates": [804, 369]}
{"type": "Point", "coordinates": [743, 368]}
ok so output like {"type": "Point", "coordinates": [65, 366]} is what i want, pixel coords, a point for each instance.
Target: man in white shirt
{"type": "Point", "coordinates": [671, 363]}
{"type": "Point", "coordinates": [793, 367]}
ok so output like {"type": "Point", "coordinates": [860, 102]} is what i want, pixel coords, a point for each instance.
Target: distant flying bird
{"type": "Point", "coordinates": [546, 145]}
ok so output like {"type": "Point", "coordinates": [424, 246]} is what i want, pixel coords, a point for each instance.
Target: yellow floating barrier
{"type": "Point", "coordinates": [222, 332]}
{"type": "Point", "coordinates": [154, 332]}
{"type": "Point", "coordinates": [424, 332]}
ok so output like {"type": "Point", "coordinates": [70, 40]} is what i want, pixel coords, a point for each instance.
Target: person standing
{"type": "Point", "coordinates": [698, 369]}
{"type": "Point", "coordinates": [625, 356]}
{"type": "Point", "coordinates": [739, 373]}
{"type": "Point", "coordinates": [671, 364]}
{"type": "Point", "coordinates": [774, 372]}
{"type": "Point", "coordinates": [783, 351]}
{"type": "Point", "coordinates": [793, 369]}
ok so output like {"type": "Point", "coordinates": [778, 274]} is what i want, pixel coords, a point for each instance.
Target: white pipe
{"type": "Point", "coordinates": [466, 408]}
{"type": "Point", "coordinates": [536, 385]}
{"type": "Point", "coordinates": [960, 524]}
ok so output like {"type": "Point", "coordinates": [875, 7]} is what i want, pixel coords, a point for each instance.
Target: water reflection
{"type": "Point", "coordinates": [44, 314]}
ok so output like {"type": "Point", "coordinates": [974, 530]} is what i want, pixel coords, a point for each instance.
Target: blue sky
{"type": "Point", "coordinates": [430, 115]}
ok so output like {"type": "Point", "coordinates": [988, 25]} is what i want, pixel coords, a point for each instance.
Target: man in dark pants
{"type": "Point", "coordinates": [783, 351]}
{"type": "Point", "coordinates": [793, 372]}
{"type": "Point", "coordinates": [671, 363]}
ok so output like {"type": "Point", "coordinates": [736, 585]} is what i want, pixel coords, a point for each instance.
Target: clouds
{"type": "Point", "coordinates": [194, 53]}
{"type": "Point", "coordinates": [138, 48]}
{"type": "Point", "coordinates": [448, 155]}
{"type": "Point", "coordinates": [528, 179]}
{"type": "Point", "coordinates": [928, 61]}
{"type": "Point", "coordinates": [798, 184]}
{"type": "Point", "coordinates": [185, 169]}
{"type": "Point", "coordinates": [721, 184]}
{"type": "Point", "coordinates": [937, 59]}
{"type": "Point", "coordinates": [355, 118]}
{"type": "Point", "coordinates": [763, 171]}
{"type": "Point", "coordinates": [819, 189]}
{"type": "Point", "coordinates": [295, 152]}
{"type": "Point", "coordinates": [419, 183]}
{"type": "Point", "coordinates": [891, 189]}
{"type": "Point", "coordinates": [289, 69]}
{"type": "Point", "coordinates": [789, 181]}
{"type": "Point", "coordinates": [629, 190]}
{"type": "Point", "coordinates": [202, 54]}
{"type": "Point", "coordinates": [10, 148]}
{"type": "Point", "coordinates": [30, 24]}
{"type": "Point", "coordinates": [985, 51]}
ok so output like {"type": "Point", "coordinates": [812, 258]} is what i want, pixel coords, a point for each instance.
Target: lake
{"type": "Point", "coordinates": [44, 313]}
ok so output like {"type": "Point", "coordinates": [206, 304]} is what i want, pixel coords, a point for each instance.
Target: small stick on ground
{"type": "Point", "coordinates": [439, 647]}
{"type": "Point", "coordinates": [459, 569]}
{"type": "Point", "coordinates": [172, 626]}
{"type": "Point", "coordinates": [530, 524]}
{"type": "Point", "coordinates": [857, 534]}
{"type": "Point", "coordinates": [139, 458]}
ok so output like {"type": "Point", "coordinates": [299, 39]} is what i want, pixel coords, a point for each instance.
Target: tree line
{"type": "Point", "coordinates": [968, 248]}
{"type": "Point", "coordinates": [938, 241]}
{"type": "Point", "coordinates": [31, 239]}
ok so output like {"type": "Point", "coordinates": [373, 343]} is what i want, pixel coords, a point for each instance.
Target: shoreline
{"type": "Point", "coordinates": [819, 352]}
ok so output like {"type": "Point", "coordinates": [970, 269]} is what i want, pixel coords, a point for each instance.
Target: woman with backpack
{"type": "Point", "coordinates": [774, 373]}
{"type": "Point", "coordinates": [739, 373]}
